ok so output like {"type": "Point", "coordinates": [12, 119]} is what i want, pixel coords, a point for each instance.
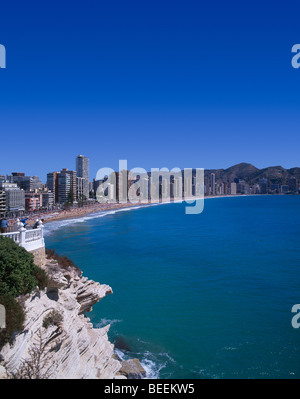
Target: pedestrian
{"type": "Point", "coordinates": [24, 221]}
{"type": "Point", "coordinates": [3, 226]}
{"type": "Point", "coordinates": [37, 222]}
{"type": "Point", "coordinates": [35, 226]}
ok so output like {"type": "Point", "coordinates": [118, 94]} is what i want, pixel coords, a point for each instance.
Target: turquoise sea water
{"type": "Point", "coordinates": [196, 296]}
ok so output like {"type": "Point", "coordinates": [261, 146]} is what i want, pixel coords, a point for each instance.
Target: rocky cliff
{"type": "Point", "coordinates": [58, 340]}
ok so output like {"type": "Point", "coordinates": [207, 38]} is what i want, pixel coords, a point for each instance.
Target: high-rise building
{"type": "Point", "coordinates": [73, 182]}
{"type": "Point", "coordinates": [52, 184]}
{"type": "Point", "coordinates": [240, 186]}
{"type": "Point", "coordinates": [233, 188]}
{"type": "Point", "coordinates": [96, 184]}
{"type": "Point", "coordinates": [292, 184]}
{"type": "Point", "coordinates": [263, 185]}
{"type": "Point", "coordinates": [24, 182]}
{"type": "Point", "coordinates": [79, 188]}
{"type": "Point", "coordinates": [206, 185]}
{"type": "Point", "coordinates": [221, 189]}
{"type": "Point", "coordinates": [213, 184]}
{"type": "Point", "coordinates": [82, 169]}
{"type": "Point", "coordinates": [64, 188]}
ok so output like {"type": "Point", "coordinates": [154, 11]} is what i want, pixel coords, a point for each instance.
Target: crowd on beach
{"type": "Point", "coordinates": [29, 220]}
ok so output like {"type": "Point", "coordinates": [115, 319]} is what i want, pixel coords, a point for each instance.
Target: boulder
{"type": "Point", "coordinates": [132, 369]}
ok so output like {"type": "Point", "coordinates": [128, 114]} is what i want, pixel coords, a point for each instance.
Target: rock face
{"type": "Point", "coordinates": [3, 375]}
{"type": "Point", "coordinates": [72, 348]}
{"type": "Point", "coordinates": [132, 369]}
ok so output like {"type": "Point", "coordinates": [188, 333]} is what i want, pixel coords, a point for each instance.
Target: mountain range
{"type": "Point", "coordinates": [251, 174]}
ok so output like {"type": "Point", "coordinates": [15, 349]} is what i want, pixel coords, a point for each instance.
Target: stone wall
{"type": "Point", "coordinates": [39, 256]}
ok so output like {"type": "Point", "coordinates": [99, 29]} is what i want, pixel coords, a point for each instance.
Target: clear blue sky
{"type": "Point", "coordinates": [159, 83]}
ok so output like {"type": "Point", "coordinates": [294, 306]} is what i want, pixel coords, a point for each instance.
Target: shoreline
{"type": "Point", "coordinates": [77, 213]}
{"type": "Point", "coordinates": [81, 212]}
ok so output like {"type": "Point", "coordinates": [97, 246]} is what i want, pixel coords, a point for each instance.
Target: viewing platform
{"type": "Point", "coordinates": [30, 239]}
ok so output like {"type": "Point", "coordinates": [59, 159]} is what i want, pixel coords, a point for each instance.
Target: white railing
{"type": "Point", "coordinates": [29, 239]}
{"type": "Point", "coordinates": [15, 236]}
{"type": "Point", "coordinates": [33, 235]}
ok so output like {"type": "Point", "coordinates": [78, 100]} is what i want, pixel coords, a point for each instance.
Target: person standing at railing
{"type": "Point", "coordinates": [24, 221]}
{"type": "Point", "coordinates": [3, 225]}
{"type": "Point", "coordinates": [37, 223]}
{"type": "Point", "coordinates": [35, 226]}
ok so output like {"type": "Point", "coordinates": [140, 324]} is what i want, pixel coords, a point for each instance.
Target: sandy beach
{"type": "Point", "coordinates": [74, 213]}
{"type": "Point", "coordinates": [80, 212]}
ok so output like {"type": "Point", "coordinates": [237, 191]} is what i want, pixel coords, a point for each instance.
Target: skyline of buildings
{"type": "Point", "coordinates": [20, 193]}
{"type": "Point", "coordinates": [70, 185]}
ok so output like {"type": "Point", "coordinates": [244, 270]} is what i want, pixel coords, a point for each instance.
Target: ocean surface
{"type": "Point", "coordinates": [196, 296]}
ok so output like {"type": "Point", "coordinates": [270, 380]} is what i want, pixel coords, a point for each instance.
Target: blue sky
{"type": "Point", "coordinates": [159, 83]}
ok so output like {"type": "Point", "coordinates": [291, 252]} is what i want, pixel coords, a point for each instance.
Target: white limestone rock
{"type": "Point", "coordinates": [74, 349]}
{"type": "Point", "coordinates": [3, 375]}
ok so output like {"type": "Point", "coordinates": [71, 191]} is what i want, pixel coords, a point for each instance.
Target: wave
{"type": "Point", "coordinates": [104, 322]}
{"type": "Point", "coordinates": [50, 227]}
{"type": "Point", "coordinates": [152, 363]}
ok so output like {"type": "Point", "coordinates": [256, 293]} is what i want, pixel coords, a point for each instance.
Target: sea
{"type": "Point", "coordinates": [195, 296]}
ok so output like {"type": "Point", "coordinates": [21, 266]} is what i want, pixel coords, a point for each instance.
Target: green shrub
{"type": "Point", "coordinates": [41, 277]}
{"type": "Point", "coordinates": [54, 318]}
{"type": "Point", "coordinates": [14, 318]}
{"type": "Point", "coordinates": [18, 273]}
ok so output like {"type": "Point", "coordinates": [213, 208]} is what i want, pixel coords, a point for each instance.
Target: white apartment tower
{"type": "Point", "coordinates": [14, 196]}
{"type": "Point", "coordinates": [233, 188]}
{"type": "Point", "coordinates": [213, 183]}
{"type": "Point", "coordinates": [82, 169]}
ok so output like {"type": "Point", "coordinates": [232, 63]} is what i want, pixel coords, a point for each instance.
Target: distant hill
{"type": "Point", "coordinates": [251, 174]}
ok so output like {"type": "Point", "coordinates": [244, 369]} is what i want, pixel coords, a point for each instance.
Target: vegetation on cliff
{"type": "Point", "coordinates": [14, 318]}
{"type": "Point", "coordinates": [18, 276]}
